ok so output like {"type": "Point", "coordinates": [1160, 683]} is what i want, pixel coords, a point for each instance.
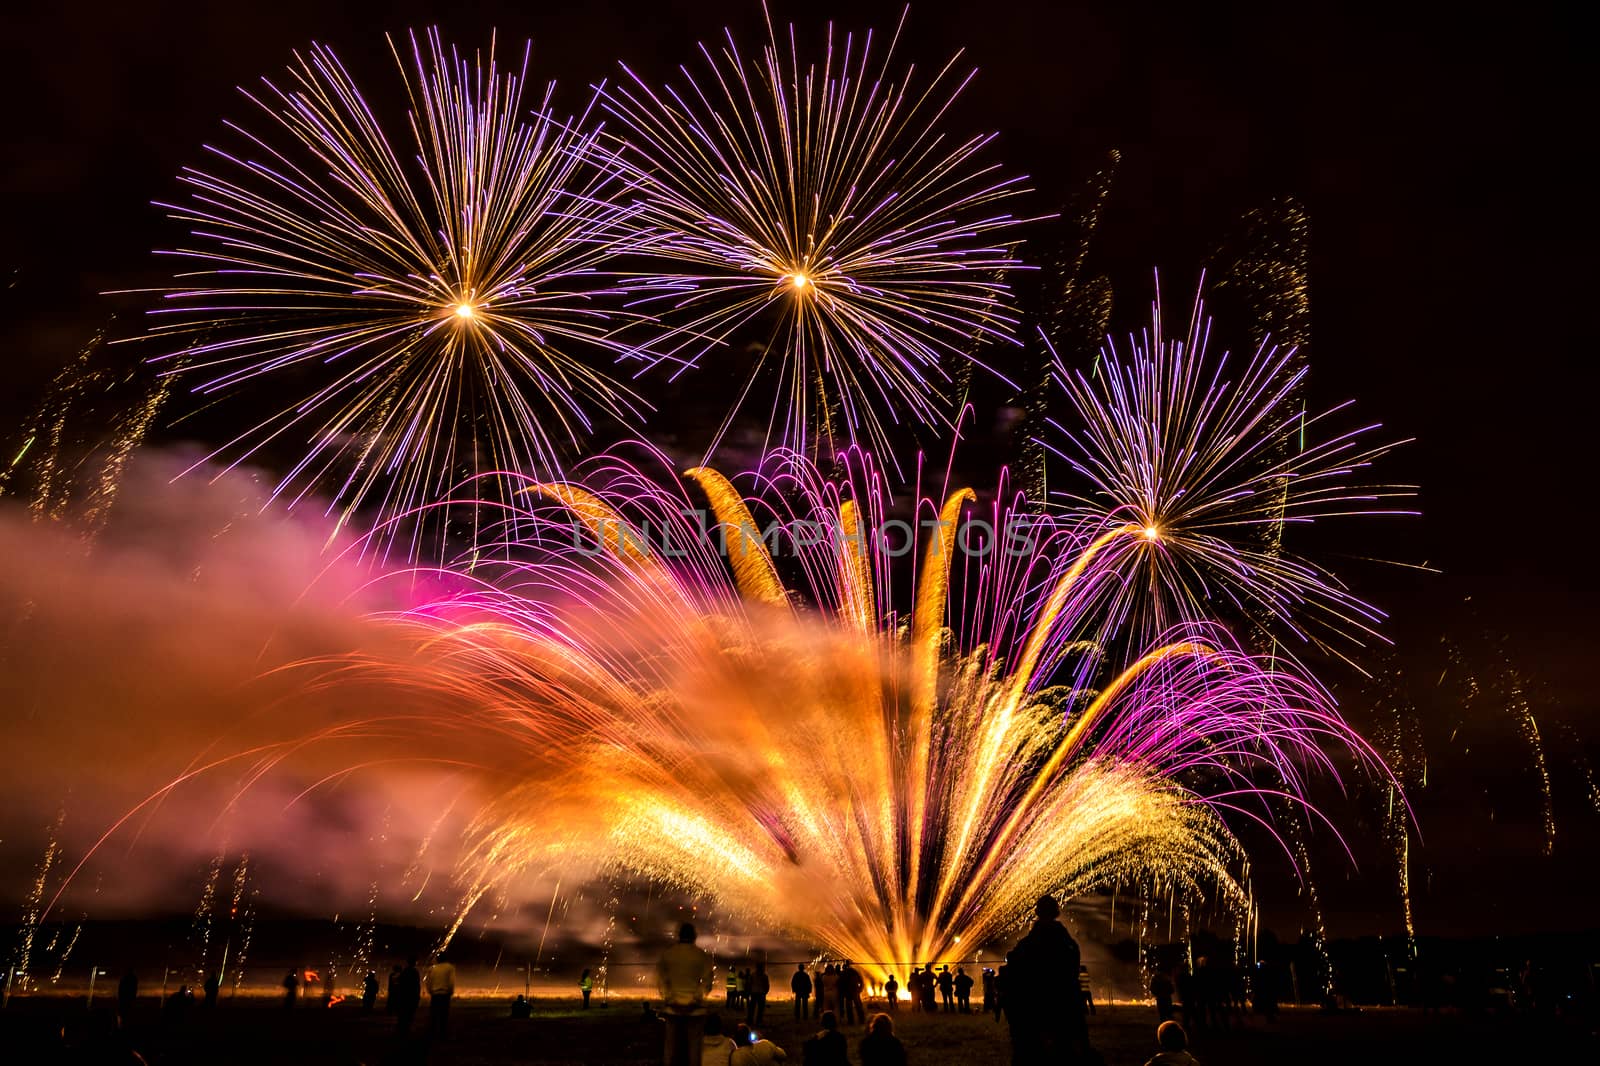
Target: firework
{"type": "Point", "coordinates": [820, 211]}
{"type": "Point", "coordinates": [1209, 461]}
{"type": "Point", "coordinates": [426, 309]}
{"type": "Point", "coordinates": [886, 786]}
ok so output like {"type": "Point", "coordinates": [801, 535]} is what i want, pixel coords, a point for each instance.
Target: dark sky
{"type": "Point", "coordinates": [1439, 149]}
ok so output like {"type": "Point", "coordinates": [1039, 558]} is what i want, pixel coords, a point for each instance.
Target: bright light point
{"type": "Point", "coordinates": [465, 310]}
{"type": "Point", "coordinates": [1152, 533]}
{"type": "Point", "coordinates": [799, 281]}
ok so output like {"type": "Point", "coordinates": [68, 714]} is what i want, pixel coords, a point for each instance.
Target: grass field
{"type": "Point", "coordinates": [34, 1030]}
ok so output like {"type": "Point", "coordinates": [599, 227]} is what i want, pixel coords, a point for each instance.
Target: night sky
{"type": "Point", "coordinates": [1438, 148]}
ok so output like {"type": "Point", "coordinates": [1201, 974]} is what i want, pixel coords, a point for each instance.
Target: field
{"type": "Point", "coordinates": [619, 1034]}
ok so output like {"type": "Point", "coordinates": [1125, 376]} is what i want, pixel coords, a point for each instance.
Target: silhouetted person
{"type": "Point", "coordinates": [127, 996]}
{"type": "Point", "coordinates": [881, 1047]}
{"type": "Point", "coordinates": [211, 986]}
{"type": "Point", "coordinates": [369, 992]}
{"type": "Point", "coordinates": [800, 985]}
{"type": "Point", "coordinates": [891, 993]}
{"type": "Point", "coordinates": [520, 1007]}
{"type": "Point", "coordinates": [291, 987]}
{"type": "Point", "coordinates": [914, 989]}
{"type": "Point", "coordinates": [684, 976]}
{"type": "Point", "coordinates": [1161, 989]}
{"type": "Point", "coordinates": [750, 1050]}
{"type": "Point", "coordinates": [733, 989]}
{"type": "Point", "coordinates": [1266, 990]}
{"type": "Point", "coordinates": [586, 986]}
{"type": "Point", "coordinates": [930, 985]}
{"type": "Point", "coordinates": [1042, 1000]}
{"type": "Point", "coordinates": [441, 989]}
{"type": "Point", "coordinates": [406, 997]}
{"type": "Point", "coordinates": [851, 985]}
{"type": "Point", "coordinates": [1084, 988]}
{"type": "Point", "coordinates": [716, 1047]}
{"type": "Point", "coordinates": [1192, 1006]}
{"type": "Point", "coordinates": [1174, 1043]}
{"type": "Point", "coordinates": [947, 995]}
{"type": "Point", "coordinates": [1001, 981]}
{"type": "Point", "coordinates": [963, 986]}
{"type": "Point", "coordinates": [1211, 987]}
{"type": "Point", "coordinates": [755, 1012]}
{"type": "Point", "coordinates": [178, 1004]}
{"type": "Point", "coordinates": [828, 1046]}
{"type": "Point", "coordinates": [828, 999]}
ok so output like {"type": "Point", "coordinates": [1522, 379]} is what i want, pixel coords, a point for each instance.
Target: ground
{"type": "Point", "coordinates": [483, 1033]}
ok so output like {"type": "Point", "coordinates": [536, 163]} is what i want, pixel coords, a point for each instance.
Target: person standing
{"type": "Point", "coordinates": [963, 986]}
{"type": "Point", "coordinates": [1042, 999]}
{"type": "Point", "coordinates": [586, 986]}
{"type": "Point", "coordinates": [800, 985]}
{"type": "Point", "coordinates": [211, 986]}
{"type": "Point", "coordinates": [127, 996]}
{"type": "Point", "coordinates": [406, 997]}
{"type": "Point", "coordinates": [947, 995]}
{"type": "Point", "coordinates": [441, 988]}
{"type": "Point", "coordinates": [891, 993]}
{"type": "Point", "coordinates": [760, 987]}
{"type": "Point", "coordinates": [851, 985]}
{"type": "Point", "coordinates": [291, 988]}
{"type": "Point", "coordinates": [1001, 979]}
{"type": "Point", "coordinates": [914, 989]}
{"type": "Point", "coordinates": [1161, 990]}
{"type": "Point", "coordinates": [830, 989]}
{"type": "Point", "coordinates": [683, 975]}
{"type": "Point", "coordinates": [369, 992]}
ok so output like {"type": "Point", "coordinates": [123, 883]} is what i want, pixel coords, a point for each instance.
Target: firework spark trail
{"type": "Point", "coordinates": [1204, 456]}
{"type": "Point", "coordinates": [424, 312]}
{"type": "Point", "coordinates": [823, 204]}
{"type": "Point", "coordinates": [783, 739]}
{"type": "Point", "coordinates": [656, 712]}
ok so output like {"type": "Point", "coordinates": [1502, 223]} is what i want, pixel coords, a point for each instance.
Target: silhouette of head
{"type": "Point", "coordinates": [439, 957]}
{"type": "Point", "coordinates": [713, 1025]}
{"type": "Point", "coordinates": [800, 967]}
{"type": "Point", "coordinates": [882, 1023]}
{"type": "Point", "coordinates": [830, 1021]}
{"type": "Point", "coordinates": [411, 960]}
{"type": "Point", "coordinates": [1047, 908]}
{"type": "Point", "coordinates": [743, 1035]}
{"type": "Point", "coordinates": [686, 933]}
{"type": "Point", "coordinates": [1171, 1037]}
